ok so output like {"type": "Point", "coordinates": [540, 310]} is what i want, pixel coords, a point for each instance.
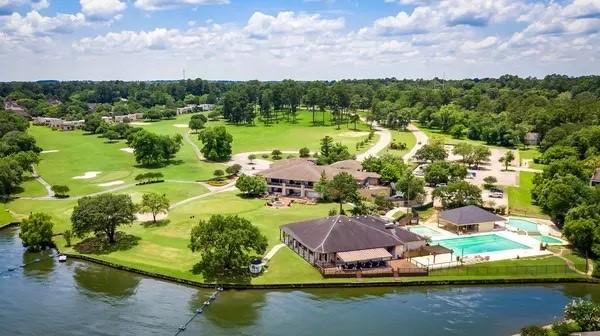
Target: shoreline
{"type": "Point", "coordinates": [392, 283]}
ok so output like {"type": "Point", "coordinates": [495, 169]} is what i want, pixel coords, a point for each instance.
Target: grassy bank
{"type": "Point", "coordinates": [519, 198]}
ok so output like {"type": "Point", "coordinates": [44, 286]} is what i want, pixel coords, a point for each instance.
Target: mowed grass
{"type": "Point", "coordinates": [5, 216]}
{"type": "Point", "coordinates": [164, 249]}
{"type": "Point", "coordinates": [530, 154]}
{"type": "Point", "coordinates": [285, 135]}
{"type": "Point", "coordinates": [79, 153]}
{"type": "Point", "coordinates": [519, 198]}
{"type": "Point", "coordinates": [31, 188]}
{"type": "Point", "coordinates": [399, 137]}
{"type": "Point", "coordinates": [60, 210]}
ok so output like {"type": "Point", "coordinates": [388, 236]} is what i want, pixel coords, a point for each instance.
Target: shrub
{"type": "Point", "coordinates": [265, 156]}
{"type": "Point", "coordinates": [585, 313]}
{"type": "Point", "coordinates": [490, 182]}
{"type": "Point", "coordinates": [562, 328]}
{"type": "Point", "coordinates": [533, 331]}
{"type": "Point", "coordinates": [332, 212]}
{"type": "Point", "coordinates": [304, 152]}
{"type": "Point", "coordinates": [67, 235]}
{"type": "Point", "coordinates": [219, 173]}
{"type": "Point", "coordinates": [233, 169]}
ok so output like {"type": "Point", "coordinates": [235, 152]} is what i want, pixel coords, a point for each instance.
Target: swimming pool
{"type": "Point", "coordinates": [424, 231]}
{"type": "Point", "coordinates": [523, 224]}
{"type": "Point", "coordinates": [548, 239]}
{"type": "Point", "coordinates": [480, 244]}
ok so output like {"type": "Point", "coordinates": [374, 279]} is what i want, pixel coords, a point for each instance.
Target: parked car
{"type": "Point", "coordinates": [497, 194]}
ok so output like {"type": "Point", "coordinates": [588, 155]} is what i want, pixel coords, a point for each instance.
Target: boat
{"type": "Point", "coordinates": [62, 258]}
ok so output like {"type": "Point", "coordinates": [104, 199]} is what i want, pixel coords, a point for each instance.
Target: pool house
{"type": "Point", "coordinates": [468, 219]}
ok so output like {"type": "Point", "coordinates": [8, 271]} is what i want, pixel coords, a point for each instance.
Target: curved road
{"type": "Point", "coordinates": [385, 138]}
{"type": "Point", "coordinates": [422, 140]}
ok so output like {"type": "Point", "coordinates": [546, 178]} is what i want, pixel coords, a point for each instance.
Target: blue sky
{"type": "Point", "coordinates": [300, 39]}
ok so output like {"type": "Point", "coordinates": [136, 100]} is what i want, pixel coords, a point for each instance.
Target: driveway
{"type": "Point", "coordinates": [422, 140]}
{"type": "Point", "coordinates": [385, 138]}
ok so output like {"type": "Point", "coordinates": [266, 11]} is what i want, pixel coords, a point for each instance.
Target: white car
{"type": "Point", "coordinates": [497, 194]}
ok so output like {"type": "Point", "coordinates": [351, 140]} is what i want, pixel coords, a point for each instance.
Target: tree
{"type": "Point", "coordinates": [391, 172]}
{"type": "Point", "coordinates": [11, 175]}
{"type": "Point", "coordinates": [431, 153]}
{"type": "Point", "coordinates": [216, 143]}
{"type": "Point", "coordinates": [506, 159]}
{"type": "Point", "coordinates": [234, 169]}
{"type": "Point", "coordinates": [226, 244]}
{"type": "Point", "coordinates": [342, 188]}
{"type": "Point", "coordinates": [410, 186]}
{"type": "Point", "coordinates": [326, 145]}
{"type": "Point", "coordinates": [92, 123]}
{"type": "Point", "coordinates": [481, 154]}
{"type": "Point", "coordinates": [218, 173]}
{"type": "Point", "coordinates": [196, 124]}
{"type": "Point", "coordinates": [354, 118]}
{"type": "Point", "coordinates": [304, 152]}
{"type": "Point", "coordinates": [36, 231]}
{"type": "Point", "coordinates": [111, 135]}
{"type": "Point", "coordinates": [151, 149]}
{"type": "Point", "coordinates": [102, 214]}
{"type": "Point", "coordinates": [251, 158]}
{"type": "Point", "coordinates": [251, 185]}
{"type": "Point", "coordinates": [155, 204]}
{"type": "Point", "coordinates": [490, 182]}
{"type": "Point", "coordinates": [60, 191]}
{"type": "Point", "coordinates": [458, 194]}
{"type": "Point", "coordinates": [67, 235]}
{"type": "Point", "coordinates": [557, 195]}
{"type": "Point", "coordinates": [276, 154]}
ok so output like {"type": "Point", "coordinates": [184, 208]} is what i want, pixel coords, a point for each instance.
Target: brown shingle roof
{"type": "Point", "coordinates": [348, 165]}
{"type": "Point", "coordinates": [469, 214]}
{"type": "Point", "coordinates": [341, 233]}
{"type": "Point", "coordinates": [304, 170]}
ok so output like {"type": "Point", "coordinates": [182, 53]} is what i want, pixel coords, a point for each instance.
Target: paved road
{"type": "Point", "coordinates": [422, 140]}
{"type": "Point", "coordinates": [385, 138]}
{"type": "Point", "coordinates": [42, 182]}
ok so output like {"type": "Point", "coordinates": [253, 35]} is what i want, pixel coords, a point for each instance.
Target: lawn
{"type": "Point", "coordinates": [405, 137]}
{"type": "Point", "coordinates": [574, 256]}
{"type": "Point", "coordinates": [164, 248]}
{"type": "Point", "coordinates": [519, 198]}
{"type": "Point", "coordinates": [5, 216]}
{"type": "Point", "coordinates": [530, 154]}
{"type": "Point", "coordinates": [449, 140]}
{"type": "Point", "coordinates": [291, 136]}
{"type": "Point", "coordinates": [60, 210]}
{"type": "Point", "coordinates": [79, 153]}
{"type": "Point", "coordinates": [31, 188]}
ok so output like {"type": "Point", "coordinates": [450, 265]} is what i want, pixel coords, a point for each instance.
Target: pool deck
{"type": "Point", "coordinates": [450, 260]}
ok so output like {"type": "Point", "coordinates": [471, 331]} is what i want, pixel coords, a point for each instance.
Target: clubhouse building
{"type": "Point", "coordinates": [298, 177]}
{"type": "Point", "coordinates": [340, 241]}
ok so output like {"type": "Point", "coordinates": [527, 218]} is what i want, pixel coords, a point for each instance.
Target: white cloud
{"type": "Point", "coordinates": [34, 24]}
{"type": "Point", "coordinates": [101, 10]}
{"type": "Point", "coordinates": [156, 5]}
{"type": "Point", "coordinates": [421, 20]}
{"type": "Point", "coordinates": [474, 46]}
{"type": "Point", "coordinates": [261, 25]}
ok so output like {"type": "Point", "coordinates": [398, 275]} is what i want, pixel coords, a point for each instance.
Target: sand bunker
{"type": "Point", "coordinates": [111, 183]}
{"type": "Point", "coordinates": [87, 175]}
{"type": "Point", "coordinates": [138, 123]}
{"type": "Point", "coordinates": [147, 216]}
{"type": "Point", "coordinates": [181, 125]}
{"type": "Point", "coordinates": [50, 151]}
{"type": "Point", "coordinates": [354, 134]}
{"type": "Point", "coordinates": [127, 149]}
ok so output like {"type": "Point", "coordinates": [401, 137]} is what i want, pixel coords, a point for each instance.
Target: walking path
{"type": "Point", "coordinates": [42, 182]}
{"type": "Point", "coordinates": [215, 190]}
{"type": "Point", "coordinates": [272, 252]}
{"type": "Point", "coordinates": [186, 138]}
{"type": "Point", "coordinates": [385, 138]}
{"type": "Point", "coordinates": [571, 265]}
{"type": "Point", "coordinates": [422, 140]}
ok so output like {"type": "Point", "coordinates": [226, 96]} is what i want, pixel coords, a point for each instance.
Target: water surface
{"type": "Point", "coordinates": [80, 298]}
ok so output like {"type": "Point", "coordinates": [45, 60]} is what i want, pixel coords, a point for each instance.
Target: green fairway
{"type": "Point", "coordinates": [79, 153]}
{"type": "Point", "coordinates": [519, 198]}
{"type": "Point", "coordinates": [31, 188]}
{"type": "Point", "coordinates": [284, 135]}
{"type": "Point", "coordinates": [60, 210]}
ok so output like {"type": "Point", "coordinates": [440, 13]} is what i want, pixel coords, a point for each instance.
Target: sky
{"type": "Point", "coordinates": [297, 39]}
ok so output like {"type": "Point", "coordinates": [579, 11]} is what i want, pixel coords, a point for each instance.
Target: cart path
{"type": "Point", "coordinates": [186, 138]}
{"type": "Point", "coordinates": [421, 140]}
{"type": "Point", "coordinates": [42, 182]}
{"type": "Point", "coordinates": [272, 252]}
{"type": "Point", "coordinates": [385, 138]}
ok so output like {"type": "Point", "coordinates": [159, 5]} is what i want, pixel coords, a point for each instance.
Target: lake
{"type": "Point", "coordinates": [81, 298]}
